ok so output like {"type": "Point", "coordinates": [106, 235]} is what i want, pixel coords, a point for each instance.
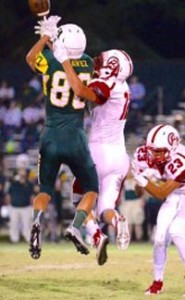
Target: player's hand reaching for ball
{"type": "Point", "coordinates": [48, 27]}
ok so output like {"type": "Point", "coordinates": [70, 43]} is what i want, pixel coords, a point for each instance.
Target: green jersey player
{"type": "Point", "coordinates": [63, 139]}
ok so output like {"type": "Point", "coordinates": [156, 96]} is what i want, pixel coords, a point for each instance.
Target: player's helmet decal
{"type": "Point", "coordinates": [172, 138]}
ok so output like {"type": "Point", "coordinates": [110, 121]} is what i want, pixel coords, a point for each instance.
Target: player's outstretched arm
{"type": "Point", "coordinates": [33, 53]}
{"type": "Point", "coordinates": [47, 30]}
{"type": "Point", "coordinates": [77, 85]}
{"type": "Point", "coordinates": [160, 192]}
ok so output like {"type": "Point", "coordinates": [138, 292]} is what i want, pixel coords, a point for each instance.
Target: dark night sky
{"type": "Point", "coordinates": [146, 28]}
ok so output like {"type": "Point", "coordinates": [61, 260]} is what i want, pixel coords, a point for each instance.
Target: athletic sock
{"type": "Point", "coordinates": [79, 218]}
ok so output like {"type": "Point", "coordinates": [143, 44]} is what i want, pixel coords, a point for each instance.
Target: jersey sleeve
{"type": "Point", "coordinates": [177, 168]}
{"type": "Point", "coordinates": [101, 89]}
{"type": "Point", "coordinates": [139, 158]}
{"type": "Point", "coordinates": [42, 62]}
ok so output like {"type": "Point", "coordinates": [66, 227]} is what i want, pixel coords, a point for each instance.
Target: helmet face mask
{"type": "Point", "coordinates": [162, 141]}
{"type": "Point", "coordinates": [74, 40]}
{"type": "Point", "coordinates": [157, 156]}
{"type": "Point", "coordinates": [113, 63]}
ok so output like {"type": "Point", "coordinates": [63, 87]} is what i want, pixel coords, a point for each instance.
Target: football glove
{"type": "Point", "coordinates": [141, 180]}
{"type": "Point", "coordinates": [151, 173]}
{"type": "Point", "coordinates": [135, 170]}
{"type": "Point", "coordinates": [60, 51]}
{"type": "Point", "coordinates": [48, 27]}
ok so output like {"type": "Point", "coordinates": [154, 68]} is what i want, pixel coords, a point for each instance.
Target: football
{"type": "Point", "coordinates": [39, 8]}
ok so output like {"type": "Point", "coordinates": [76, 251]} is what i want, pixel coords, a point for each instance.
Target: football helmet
{"type": "Point", "coordinates": [115, 63]}
{"type": "Point", "coordinates": [161, 142]}
{"type": "Point", "coordinates": [74, 40]}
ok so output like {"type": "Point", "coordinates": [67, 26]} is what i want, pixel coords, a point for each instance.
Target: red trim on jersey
{"type": "Point", "coordinates": [126, 106]}
{"type": "Point", "coordinates": [181, 155]}
{"type": "Point", "coordinates": [113, 85]}
{"type": "Point", "coordinates": [181, 178]}
{"type": "Point", "coordinates": [101, 90]}
{"type": "Point", "coordinates": [157, 130]}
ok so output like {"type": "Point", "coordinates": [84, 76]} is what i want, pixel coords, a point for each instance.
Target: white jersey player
{"type": "Point", "coordinates": [163, 159]}
{"type": "Point", "coordinates": [106, 140]}
{"type": "Point", "coordinates": [106, 137]}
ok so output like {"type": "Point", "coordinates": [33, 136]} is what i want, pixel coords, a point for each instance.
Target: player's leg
{"type": "Point", "coordinates": [110, 190]}
{"type": "Point", "coordinates": [177, 232]}
{"type": "Point", "coordinates": [138, 218]}
{"type": "Point", "coordinates": [83, 168]}
{"type": "Point", "coordinates": [99, 239]}
{"type": "Point", "coordinates": [73, 232]}
{"type": "Point", "coordinates": [126, 208]}
{"type": "Point", "coordinates": [48, 167]}
{"type": "Point", "coordinates": [112, 170]}
{"type": "Point", "coordinates": [26, 220]}
{"type": "Point", "coordinates": [165, 218]}
{"type": "Point", "coordinates": [14, 229]}
{"type": "Point", "coordinates": [119, 222]}
{"type": "Point", "coordinates": [161, 242]}
{"type": "Point", "coordinates": [159, 263]}
{"type": "Point", "coordinates": [179, 241]}
{"type": "Point", "coordinates": [93, 230]}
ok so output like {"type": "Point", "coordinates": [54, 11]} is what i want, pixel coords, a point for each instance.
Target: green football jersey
{"type": "Point", "coordinates": [63, 108]}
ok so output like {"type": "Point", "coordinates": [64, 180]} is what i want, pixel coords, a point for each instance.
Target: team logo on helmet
{"type": "Point", "coordinates": [113, 62]}
{"type": "Point", "coordinates": [172, 138]}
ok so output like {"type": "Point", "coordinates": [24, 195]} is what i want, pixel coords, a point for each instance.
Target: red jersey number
{"type": "Point", "coordinates": [173, 167]}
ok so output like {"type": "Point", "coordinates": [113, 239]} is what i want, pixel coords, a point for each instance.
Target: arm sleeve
{"type": "Point", "coordinates": [101, 90]}
{"type": "Point", "coordinates": [41, 64]}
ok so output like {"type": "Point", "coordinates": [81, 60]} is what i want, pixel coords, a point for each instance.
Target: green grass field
{"type": "Point", "coordinates": [62, 273]}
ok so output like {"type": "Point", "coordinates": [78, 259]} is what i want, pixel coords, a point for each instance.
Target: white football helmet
{"type": "Point", "coordinates": [161, 142]}
{"type": "Point", "coordinates": [115, 63]}
{"type": "Point", "coordinates": [74, 40]}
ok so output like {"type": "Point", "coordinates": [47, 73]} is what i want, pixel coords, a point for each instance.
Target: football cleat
{"type": "Point", "coordinates": [35, 241]}
{"type": "Point", "coordinates": [123, 235]}
{"type": "Point", "coordinates": [100, 242]}
{"type": "Point", "coordinates": [155, 288]}
{"type": "Point", "coordinates": [74, 234]}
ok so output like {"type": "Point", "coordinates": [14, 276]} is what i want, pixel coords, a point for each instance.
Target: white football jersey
{"type": "Point", "coordinates": [108, 119]}
{"type": "Point", "coordinates": [139, 158]}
